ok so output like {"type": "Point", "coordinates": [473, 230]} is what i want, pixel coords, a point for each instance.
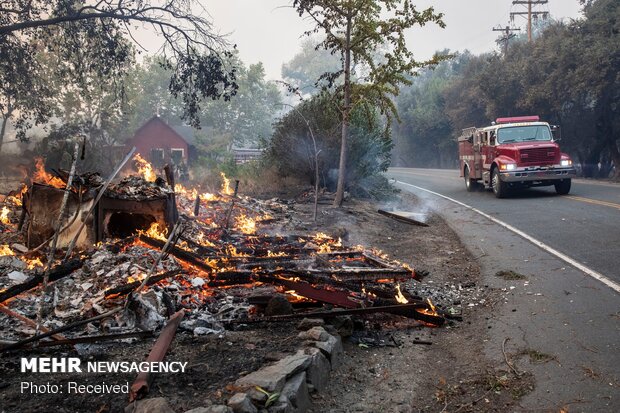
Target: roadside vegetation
{"type": "Point", "coordinates": [568, 76]}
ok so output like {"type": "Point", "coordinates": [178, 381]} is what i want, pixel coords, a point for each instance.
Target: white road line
{"type": "Point", "coordinates": [598, 276]}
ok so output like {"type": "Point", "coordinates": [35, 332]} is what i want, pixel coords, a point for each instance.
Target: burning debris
{"type": "Point", "coordinates": [151, 251]}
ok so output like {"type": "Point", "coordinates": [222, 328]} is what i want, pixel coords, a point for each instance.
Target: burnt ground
{"type": "Point", "coordinates": [397, 375]}
{"type": "Point", "coordinates": [451, 374]}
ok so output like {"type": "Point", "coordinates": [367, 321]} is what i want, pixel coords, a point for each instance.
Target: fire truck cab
{"type": "Point", "coordinates": [511, 153]}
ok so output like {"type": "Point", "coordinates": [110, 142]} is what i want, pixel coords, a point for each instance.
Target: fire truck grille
{"type": "Point", "coordinates": [537, 155]}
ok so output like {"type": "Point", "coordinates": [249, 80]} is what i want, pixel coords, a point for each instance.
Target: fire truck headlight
{"type": "Point", "coordinates": [507, 167]}
{"type": "Point", "coordinates": [566, 162]}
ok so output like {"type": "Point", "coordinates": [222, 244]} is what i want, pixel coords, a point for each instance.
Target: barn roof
{"type": "Point", "coordinates": [183, 131]}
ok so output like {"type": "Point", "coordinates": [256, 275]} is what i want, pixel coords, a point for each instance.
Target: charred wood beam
{"type": "Point", "coordinates": [179, 253]}
{"type": "Point", "coordinates": [67, 327]}
{"type": "Point", "coordinates": [96, 339]}
{"type": "Point", "coordinates": [55, 274]}
{"type": "Point", "coordinates": [392, 309]}
{"type": "Point", "coordinates": [198, 247]}
{"type": "Point", "coordinates": [28, 322]}
{"type": "Point", "coordinates": [130, 287]}
{"type": "Point", "coordinates": [402, 218]}
{"type": "Point", "coordinates": [340, 298]}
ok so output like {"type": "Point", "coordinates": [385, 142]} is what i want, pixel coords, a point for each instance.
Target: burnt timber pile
{"type": "Point", "coordinates": [155, 254]}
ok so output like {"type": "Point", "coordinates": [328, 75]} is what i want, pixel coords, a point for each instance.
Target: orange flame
{"type": "Point", "coordinates": [41, 176]}
{"type": "Point", "coordinates": [276, 254]}
{"type": "Point", "coordinates": [326, 243]}
{"type": "Point", "coordinates": [145, 168]}
{"type": "Point", "coordinates": [17, 199]}
{"type": "Point", "coordinates": [5, 250]}
{"type": "Point", "coordinates": [134, 278]}
{"type": "Point", "coordinates": [32, 264]}
{"type": "Point", "coordinates": [226, 189]}
{"type": "Point", "coordinates": [232, 251]}
{"type": "Point", "coordinates": [399, 295]}
{"type": "Point", "coordinates": [155, 232]}
{"type": "Point", "coordinates": [245, 224]}
{"type": "Point", "coordinates": [430, 311]}
{"type": "Point", "coordinates": [208, 197]}
{"type": "Point", "coordinates": [4, 216]}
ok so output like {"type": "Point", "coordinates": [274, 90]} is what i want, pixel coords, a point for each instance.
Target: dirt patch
{"type": "Point", "coordinates": [510, 275]}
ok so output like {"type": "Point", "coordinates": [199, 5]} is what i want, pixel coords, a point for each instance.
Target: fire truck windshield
{"type": "Point", "coordinates": [523, 133]}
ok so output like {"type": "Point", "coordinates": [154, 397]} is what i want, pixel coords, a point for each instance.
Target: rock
{"type": "Point", "coordinates": [273, 377]}
{"type": "Point", "coordinates": [17, 276]}
{"type": "Point", "coordinates": [197, 282]}
{"type": "Point", "coordinates": [155, 405]}
{"type": "Point", "coordinates": [333, 350]}
{"type": "Point", "coordinates": [315, 333]}
{"type": "Point", "coordinates": [19, 248]}
{"type": "Point", "coordinates": [241, 403]}
{"type": "Point", "coordinates": [12, 262]}
{"type": "Point", "coordinates": [319, 369]}
{"type": "Point", "coordinates": [344, 325]}
{"type": "Point", "coordinates": [283, 405]}
{"type": "Point", "coordinates": [278, 305]}
{"type": "Point", "coordinates": [308, 323]}
{"type": "Point", "coordinates": [218, 408]}
{"type": "Point", "coordinates": [258, 397]}
{"type": "Point", "coordinates": [296, 391]}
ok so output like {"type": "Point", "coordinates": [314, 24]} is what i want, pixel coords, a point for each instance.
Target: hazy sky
{"type": "Point", "coordinates": [270, 30]}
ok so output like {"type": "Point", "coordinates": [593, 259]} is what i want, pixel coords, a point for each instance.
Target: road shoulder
{"type": "Point", "coordinates": [559, 324]}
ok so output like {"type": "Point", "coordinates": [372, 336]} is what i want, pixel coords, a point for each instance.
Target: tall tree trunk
{"type": "Point", "coordinates": [5, 119]}
{"type": "Point", "coordinates": [342, 172]}
{"type": "Point", "coordinates": [3, 130]}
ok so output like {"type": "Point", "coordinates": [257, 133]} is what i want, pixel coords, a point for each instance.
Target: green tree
{"type": "Point", "coordinates": [249, 115]}
{"type": "Point", "coordinates": [93, 104]}
{"type": "Point", "coordinates": [291, 149]}
{"type": "Point", "coordinates": [25, 97]}
{"type": "Point", "coordinates": [305, 69]}
{"type": "Point", "coordinates": [354, 29]}
{"type": "Point", "coordinates": [192, 52]}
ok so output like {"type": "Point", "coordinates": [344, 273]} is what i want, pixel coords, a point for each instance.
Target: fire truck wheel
{"type": "Point", "coordinates": [500, 189]}
{"type": "Point", "coordinates": [563, 187]}
{"type": "Point", "coordinates": [470, 184]}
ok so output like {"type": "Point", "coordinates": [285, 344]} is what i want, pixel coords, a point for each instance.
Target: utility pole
{"type": "Point", "coordinates": [531, 14]}
{"type": "Point", "coordinates": [508, 34]}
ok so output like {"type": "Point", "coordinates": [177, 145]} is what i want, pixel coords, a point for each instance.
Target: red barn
{"type": "Point", "coordinates": [160, 143]}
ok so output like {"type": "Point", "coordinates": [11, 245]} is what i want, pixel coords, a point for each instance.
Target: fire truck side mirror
{"type": "Point", "coordinates": [557, 133]}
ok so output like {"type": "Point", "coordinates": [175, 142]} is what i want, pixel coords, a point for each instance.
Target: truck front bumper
{"type": "Point", "coordinates": [538, 174]}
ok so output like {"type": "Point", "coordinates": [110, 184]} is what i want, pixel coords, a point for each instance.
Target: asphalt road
{"type": "Point", "coordinates": [584, 225]}
{"type": "Point", "coordinates": [556, 309]}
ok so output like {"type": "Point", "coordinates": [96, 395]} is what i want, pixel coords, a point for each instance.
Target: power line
{"type": "Point", "coordinates": [508, 34]}
{"type": "Point", "coordinates": [531, 13]}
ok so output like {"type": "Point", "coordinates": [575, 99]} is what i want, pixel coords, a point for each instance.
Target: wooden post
{"type": "Point", "coordinates": [170, 179]}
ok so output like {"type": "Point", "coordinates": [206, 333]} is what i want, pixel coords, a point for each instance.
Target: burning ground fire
{"type": "Point", "coordinates": [4, 216]}
{"type": "Point", "coordinates": [218, 273]}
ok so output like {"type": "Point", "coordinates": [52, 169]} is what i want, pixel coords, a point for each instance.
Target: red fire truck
{"type": "Point", "coordinates": [514, 152]}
